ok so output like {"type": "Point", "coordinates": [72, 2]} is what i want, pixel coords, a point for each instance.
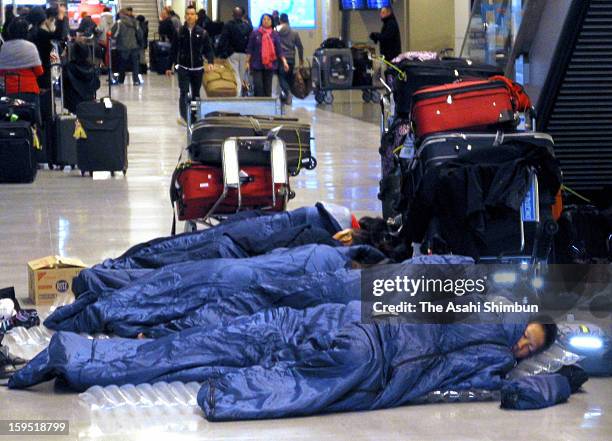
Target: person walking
{"type": "Point", "coordinates": [264, 52]}
{"type": "Point", "coordinates": [188, 52]}
{"type": "Point", "coordinates": [389, 36]}
{"type": "Point", "coordinates": [290, 41]}
{"type": "Point", "coordinates": [233, 44]}
{"type": "Point", "coordinates": [128, 36]}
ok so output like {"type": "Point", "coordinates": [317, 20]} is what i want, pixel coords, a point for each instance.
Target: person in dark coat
{"type": "Point", "coordinates": [129, 38]}
{"type": "Point", "coordinates": [80, 78]}
{"type": "Point", "coordinates": [233, 43]}
{"type": "Point", "coordinates": [264, 51]}
{"type": "Point", "coordinates": [167, 31]}
{"type": "Point", "coordinates": [9, 16]}
{"type": "Point", "coordinates": [389, 36]}
{"type": "Point", "coordinates": [189, 50]}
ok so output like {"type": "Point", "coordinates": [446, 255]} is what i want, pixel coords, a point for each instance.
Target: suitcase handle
{"type": "Point", "coordinates": [267, 118]}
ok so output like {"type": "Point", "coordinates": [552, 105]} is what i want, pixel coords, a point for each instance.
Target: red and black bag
{"type": "Point", "coordinates": [196, 188]}
{"type": "Point", "coordinates": [473, 105]}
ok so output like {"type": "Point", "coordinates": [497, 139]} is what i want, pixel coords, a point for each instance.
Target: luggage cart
{"type": "Point", "coordinates": [234, 178]}
{"type": "Point", "coordinates": [198, 109]}
{"type": "Point", "coordinates": [323, 93]}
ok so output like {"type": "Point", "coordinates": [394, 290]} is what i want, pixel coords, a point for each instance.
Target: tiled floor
{"type": "Point", "coordinates": [63, 213]}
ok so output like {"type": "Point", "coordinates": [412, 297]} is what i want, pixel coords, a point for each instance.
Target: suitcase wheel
{"type": "Point", "coordinates": [124, 172]}
{"type": "Point", "coordinates": [312, 163]}
{"type": "Point", "coordinates": [291, 194]}
{"type": "Point", "coordinates": [366, 95]}
{"type": "Point", "coordinates": [329, 98]}
{"type": "Point", "coordinates": [82, 173]}
{"type": "Point", "coordinates": [113, 173]}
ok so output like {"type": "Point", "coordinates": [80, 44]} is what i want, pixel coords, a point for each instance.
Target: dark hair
{"type": "Point", "coordinates": [129, 9]}
{"type": "Point", "coordinates": [284, 18]}
{"type": "Point", "coordinates": [52, 12]}
{"type": "Point", "coordinates": [190, 7]}
{"type": "Point", "coordinates": [18, 29]}
{"type": "Point", "coordinates": [141, 18]}
{"type": "Point", "coordinates": [262, 19]}
{"type": "Point", "coordinates": [374, 231]}
{"type": "Point", "coordinates": [80, 53]}
{"type": "Point", "coordinates": [550, 329]}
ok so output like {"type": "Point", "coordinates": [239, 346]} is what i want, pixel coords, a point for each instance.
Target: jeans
{"type": "Point", "coordinates": [188, 80]}
{"type": "Point", "coordinates": [238, 62]}
{"type": "Point", "coordinates": [286, 78]}
{"type": "Point", "coordinates": [127, 59]}
{"type": "Point", "coordinates": [262, 81]}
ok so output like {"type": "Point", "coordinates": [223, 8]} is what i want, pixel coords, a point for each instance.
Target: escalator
{"type": "Point", "coordinates": [561, 50]}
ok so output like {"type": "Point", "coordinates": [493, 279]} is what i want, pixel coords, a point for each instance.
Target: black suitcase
{"type": "Point", "coordinates": [363, 66]}
{"type": "Point", "coordinates": [440, 148]}
{"type": "Point", "coordinates": [501, 230]}
{"type": "Point", "coordinates": [64, 144]}
{"type": "Point", "coordinates": [105, 146]}
{"type": "Point", "coordinates": [333, 69]}
{"type": "Point", "coordinates": [419, 74]}
{"type": "Point", "coordinates": [17, 152]}
{"type": "Point", "coordinates": [160, 57]}
{"type": "Point", "coordinates": [209, 133]}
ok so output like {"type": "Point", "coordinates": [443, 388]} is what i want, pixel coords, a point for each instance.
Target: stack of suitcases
{"type": "Point", "coordinates": [457, 173]}
{"type": "Point", "coordinates": [17, 147]}
{"type": "Point", "coordinates": [199, 189]}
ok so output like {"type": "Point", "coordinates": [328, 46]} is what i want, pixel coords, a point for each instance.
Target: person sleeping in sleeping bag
{"type": "Point", "coordinates": [216, 290]}
{"type": "Point", "coordinates": [283, 362]}
{"type": "Point", "coordinates": [245, 240]}
{"type": "Point", "coordinates": [197, 293]}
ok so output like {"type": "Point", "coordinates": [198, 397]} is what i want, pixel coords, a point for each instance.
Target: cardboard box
{"type": "Point", "coordinates": [50, 276]}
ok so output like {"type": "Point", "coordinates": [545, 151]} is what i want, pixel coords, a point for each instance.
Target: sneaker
{"type": "Point", "coordinates": [137, 83]}
{"type": "Point", "coordinates": [180, 121]}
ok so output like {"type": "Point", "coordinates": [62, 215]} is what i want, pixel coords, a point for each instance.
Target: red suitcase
{"type": "Point", "coordinates": [196, 188]}
{"type": "Point", "coordinates": [467, 105]}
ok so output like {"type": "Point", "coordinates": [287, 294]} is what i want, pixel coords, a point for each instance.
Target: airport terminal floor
{"type": "Point", "coordinates": [92, 219]}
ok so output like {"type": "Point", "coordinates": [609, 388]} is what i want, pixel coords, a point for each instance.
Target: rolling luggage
{"type": "Point", "coordinates": [64, 122]}
{"type": "Point", "coordinates": [17, 152]}
{"type": "Point", "coordinates": [104, 140]}
{"type": "Point", "coordinates": [14, 108]}
{"type": "Point", "coordinates": [459, 194]}
{"type": "Point", "coordinates": [160, 56]}
{"type": "Point", "coordinates": [208, 136]}
{"type": "Point", "coordinates": [440, 148]}
{"type": "Point", "coordinates": [334, 69]}
{"type": "Point", "coordinates": [221, 81]}
{"type": "Point", "coordinates": [198, 187]}
{"type": "Point", "coordinates": [420, 74]}
{"type": "Point", "coordinates": [467, 105]}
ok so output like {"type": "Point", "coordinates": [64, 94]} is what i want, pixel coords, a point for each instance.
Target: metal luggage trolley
{"type": "Point", "coordinates": [323, 92]}
{"type": "Point", "coordinates": [233, 178]}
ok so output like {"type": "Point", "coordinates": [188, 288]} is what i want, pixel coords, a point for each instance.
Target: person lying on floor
{"type": "Point", "coordinates": [284, 362]}
{"type": "Point", "coordinates": [196, 293]}
{"type": "Point", "coordinates": [240, 241]}
{"type": "Point", "coordinates": [245, 235]}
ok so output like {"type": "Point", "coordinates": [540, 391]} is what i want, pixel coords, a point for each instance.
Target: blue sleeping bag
{"type": "Point", "coordinates": [198, 293]}
{"type": "Point", "coordinates": [285, 362]}
{"type": "Point", "coordinates": [240, 237]}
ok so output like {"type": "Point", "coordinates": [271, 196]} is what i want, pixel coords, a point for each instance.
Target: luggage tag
{"type": "Point", "coordinates": [108, 104]}
{"type": "Point", "coordinates": [529, 206]}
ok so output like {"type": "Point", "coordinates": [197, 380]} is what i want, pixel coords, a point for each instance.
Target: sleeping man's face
{"type": "Point", "coordinates": [530, 342]}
